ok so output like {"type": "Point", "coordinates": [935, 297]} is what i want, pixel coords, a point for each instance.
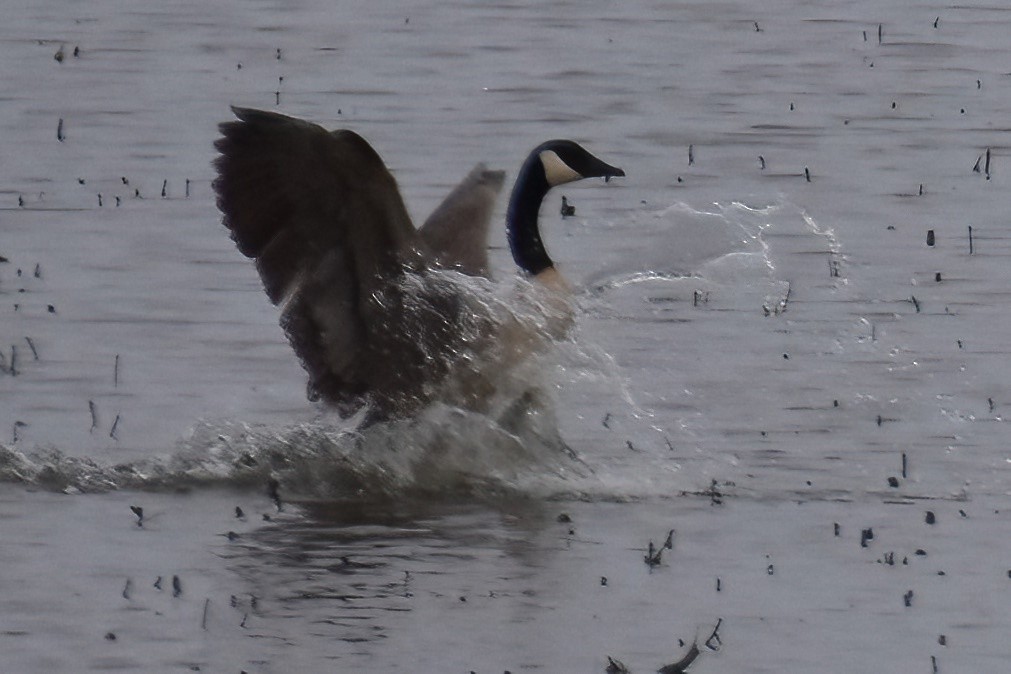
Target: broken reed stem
{"type": "Point", "coordinates": [970, 240]}
{"type": "Point", "coordinates": [203, 621]}
{"type": "Point", "coordinates": [713, 642]}
{"type": "Point", "coordinates": [115, 425]}
{"type": "Point", "coordinates": [31, 345]}
{"type": "Point", "coordinates": [94, 415]}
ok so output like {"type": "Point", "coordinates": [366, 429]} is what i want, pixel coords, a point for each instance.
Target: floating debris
{"type": "Point", "coordinates": [616, 666]}
{"type": "Point", "coordinates": [272, 491]}
{"type": "Point", "coordinates": [653, 555]}
{"type": "Point", "coordinates": [567, 208]}
{"type": "Point", "coordinates": [866, 536]}
{"type": "Point", "coordinates": [713, 643]}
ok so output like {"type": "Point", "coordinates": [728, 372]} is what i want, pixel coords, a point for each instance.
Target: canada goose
{"type": "Point", "coordinates": [372, 306]}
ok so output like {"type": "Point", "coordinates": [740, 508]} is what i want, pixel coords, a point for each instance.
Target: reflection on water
{"type": "Point", "coordinates": [347, 569]}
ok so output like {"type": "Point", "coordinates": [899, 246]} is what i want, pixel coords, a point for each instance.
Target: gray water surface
{"type": "Point", "coordinates": [756, 349]}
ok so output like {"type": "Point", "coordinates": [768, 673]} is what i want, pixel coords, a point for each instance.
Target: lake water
{"type": "Point", "coordinates": [768, 358]}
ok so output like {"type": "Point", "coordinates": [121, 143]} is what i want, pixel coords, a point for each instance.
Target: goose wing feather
{"type": "Point", "coordinates": [457, 230]}
{"type": "Point", "coordinates": [324, 220]}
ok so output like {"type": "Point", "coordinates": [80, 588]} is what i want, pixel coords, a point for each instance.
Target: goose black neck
{"type": "Point", "coordinates": [521, 219]}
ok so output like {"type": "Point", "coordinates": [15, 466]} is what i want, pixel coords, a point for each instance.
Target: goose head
{"type": "Point", "coordinates": [548, 165]}
{"type": "Point", "coordinates": [565, 161]}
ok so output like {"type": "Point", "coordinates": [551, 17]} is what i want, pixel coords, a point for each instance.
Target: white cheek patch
{"type": "Point", "coordinates": [557, 171]}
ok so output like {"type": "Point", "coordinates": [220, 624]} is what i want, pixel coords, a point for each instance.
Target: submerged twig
{"type": "Point", "coordinates": [273, 487]}
{"type": "Point", "coordinates": [684, 663]}
{"type": "Point", "coordinates": [31, 345]}
{"type": "Point", "coordinates": [616, 666]}
{"type": "Point", "coordinates": [713, 643]}
{"type": "Point", "coordinates": [653, 556]}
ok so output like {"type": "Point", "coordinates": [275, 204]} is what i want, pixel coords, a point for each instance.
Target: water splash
{"type": "Point", "coordinates": [443, 451]}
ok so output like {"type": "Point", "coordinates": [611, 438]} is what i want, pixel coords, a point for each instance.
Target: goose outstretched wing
{"type": "Point", "coordinates": [457, 230]}
{"type": "Point", "coordinates": [324, 220]}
